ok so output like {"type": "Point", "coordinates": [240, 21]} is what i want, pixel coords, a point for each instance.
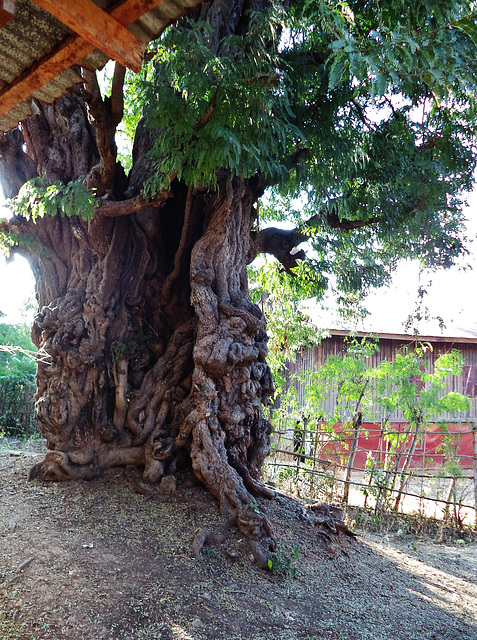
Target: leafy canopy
{"type": "Point", "coordinates": [356, 112]}
{"type": "Point", "coordinates": [358, 117]}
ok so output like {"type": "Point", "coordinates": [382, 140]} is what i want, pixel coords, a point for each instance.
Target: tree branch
{"type": "Point", "coordinates": [334, 222]}
{"type": "Point", "coordinates": [172, 277]}
{"type": "Point", "coordinates": [281, 243]}
{"type": "Point", "coordinates": [16, 167]}
{"type": "Point", "coordinates": [6, 226]}
{"type": "Point", "coordinates": [105, 116]}
{"type": "Point", "coordinates": [117, 95]}
{"type": "Point", "coordinates": [115, 209]}
{"type": "Point", "coordinates": [367, 123]}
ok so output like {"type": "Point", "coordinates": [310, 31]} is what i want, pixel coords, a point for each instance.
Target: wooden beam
{"type": "Point", "coordinates": [7, 11]}
{"type": "Point", "coordinates": [69, 53]}
{"type": "Point", "coordinates": [73, 49]}
{"type": "Point", "coordinates": [131, 10]}
{"type": "Point", "coordinates": [99, 28]}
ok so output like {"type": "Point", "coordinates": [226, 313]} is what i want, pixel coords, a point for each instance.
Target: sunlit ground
{"type": "Point", "coordinates": [442, 575]}
{"type": "Point", "coordinates": [429, 508]}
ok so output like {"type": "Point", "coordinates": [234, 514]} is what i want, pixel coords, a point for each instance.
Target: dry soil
{"type": "Point", "coordinates": [97, 561]}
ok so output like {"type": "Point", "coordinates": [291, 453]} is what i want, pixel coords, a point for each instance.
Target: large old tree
{"type": "Point", "coordinates": [354, 119]}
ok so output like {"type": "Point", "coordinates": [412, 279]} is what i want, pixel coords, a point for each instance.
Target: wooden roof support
{"type": "Point", "coordinates": [7, 11]}
{"type": "Point", "coordinates": [96, 26]}
{"type": "Point", "coordinates": [74, 48]}
{"type": "Point", "coordinates": [131, 10]}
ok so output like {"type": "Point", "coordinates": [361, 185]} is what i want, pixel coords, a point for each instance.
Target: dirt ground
{"type": "Point", "coordinates": [97, 561]}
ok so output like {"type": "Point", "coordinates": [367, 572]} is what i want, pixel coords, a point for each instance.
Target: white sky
{"type": "Point", "coordinates": [452, 295]}
{"type": "Point", "coordinates": [16, 285]}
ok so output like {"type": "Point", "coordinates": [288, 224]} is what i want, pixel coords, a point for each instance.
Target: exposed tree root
{"type": "Point", "coordinates": [327, 518]}
{"type": "Point", "coordinates": [161, 492]}
{"type": "Point", "coordinates": [206, 537]}
{"type": "Point", "coordinates": [56, 467]}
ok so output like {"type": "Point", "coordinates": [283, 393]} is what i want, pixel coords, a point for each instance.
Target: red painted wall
{"type": "Point", "coordinates": [428, 452]}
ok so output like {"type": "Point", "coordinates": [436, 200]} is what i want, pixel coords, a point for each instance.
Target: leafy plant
{"type": "Point", "coordinates": [283, 564]}
{"type": "Point", "coordinates": [254, 507]}
{"type": "Point", "coordinates": [406, 383]}
{"type": "Point", "coordinates": [17, 379]}
{"type": "Point", "coordinates": [37, 199]}
{"type": "Point", "coordinates": [347, 388]}
{"type": "Point", "coordinates": [289, 326]}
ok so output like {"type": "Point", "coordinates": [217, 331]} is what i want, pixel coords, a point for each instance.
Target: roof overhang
{"type": "Point", "coordinates": [40, 40]}
{"type": "Point", "coordinates": [402, 337]}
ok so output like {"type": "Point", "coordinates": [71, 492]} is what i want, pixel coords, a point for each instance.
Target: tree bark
{"type": "Point", "coordinates": [154, 356]}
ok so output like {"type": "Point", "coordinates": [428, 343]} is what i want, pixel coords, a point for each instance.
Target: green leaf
{"type": "Point", "coordinates": [337, 72]}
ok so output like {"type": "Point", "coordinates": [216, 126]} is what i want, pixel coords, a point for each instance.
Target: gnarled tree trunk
{"type": "Point", "coordinates": [154, 355]}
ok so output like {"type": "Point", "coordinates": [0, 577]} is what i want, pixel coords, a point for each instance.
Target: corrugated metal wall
{"type": "Point", "coordinates": [313, 359]}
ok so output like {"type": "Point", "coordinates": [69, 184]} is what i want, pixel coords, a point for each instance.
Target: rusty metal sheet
{"type": "Point", "coordinates": [34, 33]}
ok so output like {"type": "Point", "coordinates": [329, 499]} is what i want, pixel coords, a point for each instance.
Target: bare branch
{"type": "Point", "coordinates": [38, 356]}
{"type": "Point", "coordinates": [16, 167]}
{"type": "Point", "coordinates": [92, 90]}
{"type": "Point", "coordinates": [6, 226]}
{"type": "Point", "coordinates": [114, 209]}
{"type": "Point", "coordinates": [334, 222]}
{"type": "Point", "coordinates": [362, 116]}
{"type": "Point", "coordinates": [117, 95]}
{"type": "Point", "coordinates": [105, 116]}
{"type": "Point", "coordinates": [281, 243]}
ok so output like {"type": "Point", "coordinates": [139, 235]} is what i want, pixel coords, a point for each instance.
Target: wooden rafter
{"type": "Point", "coordinates": [99, 28]}
{"type": "Point", "coordinates": [73, 49]}
{"type": "Point", "coordinates": [7, 11]}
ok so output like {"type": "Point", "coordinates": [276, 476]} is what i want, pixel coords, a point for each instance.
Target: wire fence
{"type": "Point", "coordinates": [361, 484]}
{"type": "Point", "coordinates": [384, 472]}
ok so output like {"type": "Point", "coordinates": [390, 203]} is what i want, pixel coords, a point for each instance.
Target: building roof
{"type": "Point", "coordinates": [405, 337]}
{"type": "Point", "coordinates": [387, 326]}
{"type": "Point", "coordinates": [40, 40]}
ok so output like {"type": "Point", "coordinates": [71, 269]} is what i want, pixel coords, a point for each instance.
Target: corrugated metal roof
{"type": "Point", "coordinates": [389, 321]}
{"type": "Point", "coordinates": [33, 33]}
{"type": "Point", "coordinates": [405, 337]}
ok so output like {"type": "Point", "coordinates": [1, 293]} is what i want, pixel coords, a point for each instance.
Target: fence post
{"type": "Point", "coordinates": [357, 423]}
{"type": "Point", "coordinates": [407, 462]}
{"type": "Point", "coordinates": [474, 443]}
